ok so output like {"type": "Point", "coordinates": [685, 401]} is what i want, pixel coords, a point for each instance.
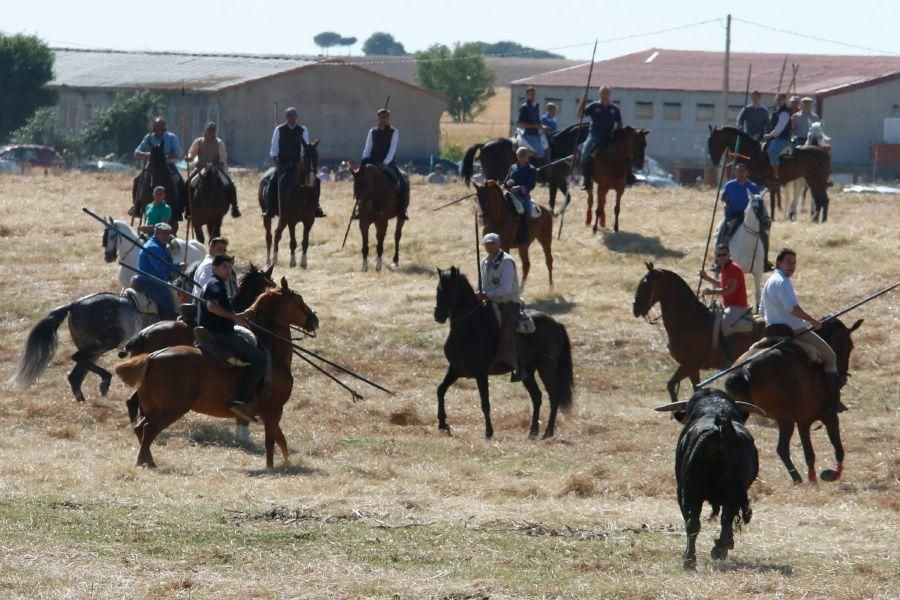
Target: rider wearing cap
{"type": "Point", "coordinates": [156, 260]}
{"type": "Point", "coordinates": [209, 149]}
{"type": "Point", "coordinates": [500, 285]}
{"type": "Point", "coordinates": [520, 181]}
{"type": "Point", "coordinates": [801, 121]}
{"type": "Point", "coordinates": [381, 149]}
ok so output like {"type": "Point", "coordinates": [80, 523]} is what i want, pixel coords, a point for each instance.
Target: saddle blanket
{"type": "Point", "coordinates": [207, 344]}
{"type": "Point", "coordinates": [745, 324]}
{"type": "Point", "coordinates": [809, 351]}
{"type": "Point", "coordinates": [525, 324]}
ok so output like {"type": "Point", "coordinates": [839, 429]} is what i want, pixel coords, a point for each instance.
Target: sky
{"type": "Point", "coordinates": [567, 27]}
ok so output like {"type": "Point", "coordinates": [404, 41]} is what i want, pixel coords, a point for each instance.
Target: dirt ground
{"type": "Point", "coordinates": [375, 502]}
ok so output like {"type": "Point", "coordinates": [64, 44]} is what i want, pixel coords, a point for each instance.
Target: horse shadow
{"type": "Point", "coordinates": [415, 269]}
{"type": "Point", "coordinates": [634, 243]}
{"type": "Point", "coordinates": [214, 434]}
{"type": "Point", "coordinates": [556, 304]}
{"type": "Point", "coordinates": [757, 567]}
{"type": "Point", "coordinates": [287, 470]}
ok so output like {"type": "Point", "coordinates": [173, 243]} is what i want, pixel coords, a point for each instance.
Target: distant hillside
{"type": "Point", "coordinates": [512, 49]}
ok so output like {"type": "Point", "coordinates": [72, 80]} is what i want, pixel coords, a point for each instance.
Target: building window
{"type": "Point", "coordinates": [706, 112]}
{"type": "Point", "coordinates": [671, 111]}
{"type": "Point", "coordinates": [558, 102]}
{"type": "Point", "coordinates": [733, 111]}
{"type": "Point", "coordinates": [643, 110]}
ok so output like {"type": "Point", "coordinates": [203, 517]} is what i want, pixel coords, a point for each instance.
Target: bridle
{"type": "Point", "coordinates": [650, 303]}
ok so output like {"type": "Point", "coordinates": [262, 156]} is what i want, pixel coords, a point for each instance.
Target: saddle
{"type": "Point", "coordinates": [748, 323]}
{"type": "Point", "coordinates": [142, 302]}
{"type": "Point", "coordinates": [515, 205]}
{"type": "Point", "coordinates": [525, 324]}
{"type": "Point", "coordinates": [207, 343]}
{"type": "Point", "coordinates": [799, 350]}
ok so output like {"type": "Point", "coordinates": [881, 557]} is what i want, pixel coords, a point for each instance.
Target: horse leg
{"type": "Point", "coordinates": [267, 223]}
{"type": "Point", "coordinates": [153, 425]}
{"type": "Point", "coordinates": [380, 232]}
{"type": "Point", "coordinates": [398, 231]}
{"type": "Point", "coordinates": [601, 209]}
{"type": "Point", "coordinates": [279, 230]}
{"type": "Point", "coordinates": [590, 206]}
{"type": "Point", "coordinates": [552, 190]}
{"type": "Point", "coordinates": [198, 231]}
{"type": "Point", "coordinates": [526, 264]}
{"type": "Point", "coordinates": [270, 442]}
{"type": "Point", "coordinates": [785, 431]}
{"type": "Point", "coordinates": [304, 244]}
{"type": "Point", "coordinates": [619, 192]}
{"type": "Point", "coordinates": [808, 452]}
{"type": "Point", "coordinates": [364, 229]}
{"type": "Point", "coordinates": [675, 382]}
{"type": "Point", "coordinates": [76, 377]}
{"type": "Point", "coordinates": [726, 533]}
{"type": "Point", "coordinates": [105, 377]}
{"type": "Point", "coordinates": [832, 426]}
{"type": "Point", "coordinates": [546, 243]}
{"type": "Point", "coordinates": [449, 379]}
{"type": "Point", "coordinates": [242, 431]}
{"type": "Point", "coordinates": [484, 392]}
{"type": "Point", "coordinates": [133, 404]}
{"type": "Point", "coordinates": [282, 442]}
{"type": "Point", "coordinates": [292, 229]}
{"type": "Point", "coordinates": [535, 392]}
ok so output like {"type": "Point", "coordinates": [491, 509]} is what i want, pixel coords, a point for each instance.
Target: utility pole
{"type": "Point", "coordinates": [726, 67]}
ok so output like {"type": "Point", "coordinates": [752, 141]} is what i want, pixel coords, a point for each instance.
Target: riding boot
{"type": "Point", "coordinates": [272, 198]}
{"type": "Point", "coordinates": [764, 237]}
{"type": "Point", "coordinates": [404, 202]}
{"type": "Point", "coordinates": [235, 211]}
{"type": "Point", "coordinates": [728, 350]}
{"type": "Point", "coordinates": [833, 394]}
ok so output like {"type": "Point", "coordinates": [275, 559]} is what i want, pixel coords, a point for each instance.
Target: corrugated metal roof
{"type": "Point", "coordinates": [688, 70]}
{"type": "Point", "coordinates": [165, 70]}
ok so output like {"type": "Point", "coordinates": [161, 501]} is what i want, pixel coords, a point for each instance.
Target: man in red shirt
{"type": "Point", "coordinates": [733, 289]}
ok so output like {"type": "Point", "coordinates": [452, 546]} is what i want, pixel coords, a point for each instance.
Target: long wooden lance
{"type": "Point", "coordinates": [466, 197]}
{"type": "Point", "coordinates": [478, 254]}
{"type": "Point", "coordinates": [297, 348]}
{"type": "Point", "coordinates": [842, 311]}
{"type": "Point", "coordinates": [562, 214]}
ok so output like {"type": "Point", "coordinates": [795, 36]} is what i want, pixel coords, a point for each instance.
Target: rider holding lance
{"type": "Point", "coordinates": [381, 149]}
{"type": "Point", "coordinates": [209, 149]}
{"type": "Point", "coordinates": [605, 119]}
{"type": "Point", "coordinates": [289, 143]}
{"type": "Point", "coordinates": [500, 285]}
{"type": "Point", "coordinates": [156, 260]}
{"type": "Point", "coordinates": [733, 289]}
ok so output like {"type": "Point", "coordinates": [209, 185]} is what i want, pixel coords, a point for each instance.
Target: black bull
{"type": "Point", "coordinates": [715, 461]}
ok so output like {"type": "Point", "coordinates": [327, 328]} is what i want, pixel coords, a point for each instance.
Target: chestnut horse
{"type": "Point", "coordinates": [610, 170]}
{"type": "Point", "coordinates": [378, 201]}
{"type": "Point", "coordinates": [811, 163]}
{"type": "Point", "coordinates": [208, 202]}
{"type": "Point", "coordinates": [500, 218]}
{"type": "Point", "coordinates": [156, 173]}
{"type": "Point", "coordinates": [792, 391]}
{"type": "Point", "coordinates": [176, 380]}
{"type": "Point", "coordinates": [297, 202]}
{"type": "Point", "coordinates": [688, 323]}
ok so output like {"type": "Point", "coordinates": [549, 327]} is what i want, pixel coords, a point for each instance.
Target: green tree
{"type": "Point", "coordinates": [460, 74]}
{"type": "Point", "coordinates": [326, 40]}
{"type": "Point", "coordinates": [513, 49]}
{"type": "Point", "coordinates": [119, 127]}
{"type": "Point", "coordinates": [43, 129]}
{"type": "Point", "coordinates": [381, 43]}
{"type": "Point", "coordinates": [347, 41]}
{"type": "Point", "coordinates": [26, 67]}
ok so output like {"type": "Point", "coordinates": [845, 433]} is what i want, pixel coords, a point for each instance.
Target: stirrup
{"type": "Point", "coordinates": [243, 411]}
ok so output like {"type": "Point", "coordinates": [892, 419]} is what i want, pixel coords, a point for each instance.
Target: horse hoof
{"type": "Point", "coordinates": [548, 435]}
{"type": "Point", "coordinates": [445, 429]}
{"type": "Point", "coordinates": [532, 435]}
{"type": "Point", "coordinates": [616, 228]}
{"type": "Point", "coordinates": [293, 262]}
{"type": "Point", "coordinates": [365, 266]}
{"type": "Point", "coordinates": [378, 264]}
{"type": "Point", "coordinates": [393, 266]}
{"type": "Point", "coordinates": [303, 262]}
{"type": "Point", "coordinates": [689, 564]}
{"type": "Point", "coordinates": [829, 475]}
{"type": "Point", "coordinates": [104, 387]}
{"type": "Point", "coordinates": [79, 397]}
{"type": "Point", "coordinates": [718, 553]}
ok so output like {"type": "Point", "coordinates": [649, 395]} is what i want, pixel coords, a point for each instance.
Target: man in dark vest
{"type": "Point", "coordinates": [381, 149]}
{"type": "Point", "coordinates": [779, 136]}
{"type": "Point", "coordinates": [289, 143]}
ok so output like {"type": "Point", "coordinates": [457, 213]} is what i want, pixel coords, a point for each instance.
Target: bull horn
{"type": "Point", "coordinates": [747, 407]}
{"type": "Point", "coordinates": [672, 407]}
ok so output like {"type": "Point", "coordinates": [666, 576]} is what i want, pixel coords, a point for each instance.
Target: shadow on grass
{"type": "Point", "coordinates": [553, 305]}
{"type": "Point", "coordinates": [214, 434]}
{"type": "Point", "coordinates": [416, 269]}
{"type": "Point", "coordinates": [757, 567]}
{"type": "Point", "coordinates": [635, 243]}
{"type": "Point", "coordinates": [286, 470]}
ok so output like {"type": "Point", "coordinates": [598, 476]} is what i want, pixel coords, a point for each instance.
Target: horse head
{"type": "Point", "coordinates": [452, 285]}
{"type": "Point", "coordinates": [838, 337]}
{"type": "Point", "coordinates": [756, 213]}
{"type": "Point", "coordinates": [110, 242]}
{"type": "Point", "coordinates": [283, 305]}
{"type": "Point", "coordinates": [251, 284]}
{"type": "Point", "coordinates": [490, 201]}
{"type": "Point", "coordinates": [637, 146]}
{"type": "Point", "coordinates": [645, 295]}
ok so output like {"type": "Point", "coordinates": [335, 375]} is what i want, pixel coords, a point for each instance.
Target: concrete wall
{"type": "Point", "coordinates": [855, 121]}
{"type": "Point", "coordinates": [338, 106]}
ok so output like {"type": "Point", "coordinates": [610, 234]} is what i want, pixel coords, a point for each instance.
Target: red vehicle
{"type": "Point", "coordinates": [32, 155]}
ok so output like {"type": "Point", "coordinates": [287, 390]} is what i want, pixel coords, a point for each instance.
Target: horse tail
{"type": "Point", "coordinates": [735, 492]}
{"type": "Point", "coordinates": [133, 370]}
{"type": "Point", "coordinates": [468, 163]}
{"type": "Point", "coordinates": [564, 380]}
{"type": "Point", "coordinates": [134, 346]}
{"type": "Point", "coordinates": [40, 347]}
{"type": "Point", "coordinates": [738, 385]}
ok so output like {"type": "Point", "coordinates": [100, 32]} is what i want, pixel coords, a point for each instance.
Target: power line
{"type": "Point", "coordinates": [816, 38]}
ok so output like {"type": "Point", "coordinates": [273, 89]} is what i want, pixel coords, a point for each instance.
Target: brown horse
{"type": "Point", "coordinates": [176, 380]}
{"type": "Point", "coordinates": [378, 201]}
{"type": "Point", "coordinates": [811, 163]}
{"type": "Point", "coordinates": [297, 202]}
{"type": "Point", "coordinates": [208, 202]}
{"type": "Point", "coordinates": [500, 218]}
{"type": "Point", "coordinates": [688, 323]}
{"type": "Point", "coordinates": [155, 174]}
{"type": "Point", "coordinates": [792, 391]}
{"type": "Point", "coordinates": [610, 169]}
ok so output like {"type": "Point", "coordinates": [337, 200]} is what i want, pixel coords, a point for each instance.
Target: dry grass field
{"type": "Point", "coordinates": [492, 123]}
{"type": "Point", "coordinates": [375, 502]}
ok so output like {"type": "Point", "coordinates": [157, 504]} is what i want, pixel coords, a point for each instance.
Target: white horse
{"type": "Point", "coordinates": [117, 247]}
{"type": "Point", "coordinates": [798, 187]}
{"type": "Point", "coordinates": [746, 245]}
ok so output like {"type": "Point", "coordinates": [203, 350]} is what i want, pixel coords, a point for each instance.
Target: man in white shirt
{"type": "Point", "coordinates": [204, 272]}
{"type": "Point", "coordinates": [780, 306]}
{"type": "Point", "coordinates": [290, 143]}
{"type": "Point", "coordinates": [500, 285]}
{"type": "Point", "coordinates": [381, 149]}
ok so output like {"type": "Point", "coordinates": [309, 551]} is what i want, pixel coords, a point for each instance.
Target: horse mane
{"type": "Point", "coordinates": [745, 140]}
{"type": "Point", "coordinates": [683, 289]}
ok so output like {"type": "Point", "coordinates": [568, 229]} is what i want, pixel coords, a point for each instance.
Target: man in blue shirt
{"type": "Point", "coordinates": [172, 147]}
{"type": "Point", "coordinates": [520, 180]}
{"type": "Point", "coordinates": [548, 119]}
{"type": "Point", "coordinates": [156, 260]}
{"type": "Point", "coordinates": [734, 199]}
{"type": "Point", "coordinates": [605, 119]}
{"type": "Point", "coordinates": [754, 117]}
{"type": "Point", "coordinates": [530, 130]}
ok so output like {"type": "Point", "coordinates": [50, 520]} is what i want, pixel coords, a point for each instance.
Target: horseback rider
{"type": "Point", "coordinates": [155, 259]}
{"type": "Point", "coordinates": [779, 136]}
{"type": "Point", "coordinates": [530, 129]}
{"type": "Point", "coordinates": [754, 117]}
{"type": "Point", "coordinates": [204, 272]}
{"type": "Point", "coordinates": [217, 316]}
{"type": "Point", "coordinates": [172, 148]}
{"type": "Point", "coordinates": [605, 120]}
{"type": "Point", "coordinates": [210, 149]}
{"type": "Point", "coordinates": [733, 289]}
{"type": "Point", "coordinates": [735, 196]}
{"type": "Point", "coordinates": [500, 285]}
{"type": "Point", "coordinates": [801, 122]}
{"type": "Point", "coordinates": [158, 211]}
{"type": "Point", "coordinates": [520, 180]}
{"type": "Point", "coordinates": [381, 150]}
{"type": "Point", "coordinates": [780, 306]}
{"type": "Point", "coordinates": [289, 145]}
{"type": "Point", "coordinates": [548, 120]}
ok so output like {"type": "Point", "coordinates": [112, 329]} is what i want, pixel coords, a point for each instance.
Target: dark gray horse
{"type": "Point", "coordinates": [98, 323]}
{"type": "Point", "coordinates": [472, 343]}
